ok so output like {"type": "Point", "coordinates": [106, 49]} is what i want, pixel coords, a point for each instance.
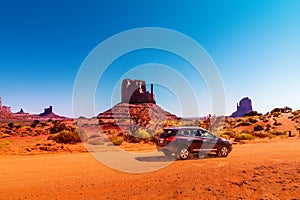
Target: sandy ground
{"type": "Point", "coordinates": [256, 170]}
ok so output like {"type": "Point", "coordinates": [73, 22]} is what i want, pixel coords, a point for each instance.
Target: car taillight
{"type": "Point", "coordinates": [171, 139]}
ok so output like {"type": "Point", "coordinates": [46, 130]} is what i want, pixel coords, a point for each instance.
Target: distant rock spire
{"type": "Point", "coordinates": [244, 106]}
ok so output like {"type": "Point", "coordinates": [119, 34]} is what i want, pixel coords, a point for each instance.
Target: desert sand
{"type": "Point", "coordinates": [255, 170]}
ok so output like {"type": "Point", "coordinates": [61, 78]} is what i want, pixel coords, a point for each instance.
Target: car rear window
{"type": "Point", "coordinates": [168, 133]}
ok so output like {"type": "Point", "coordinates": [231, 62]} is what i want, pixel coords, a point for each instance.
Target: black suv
{"type": "Point", "coordinates": [186, 140]}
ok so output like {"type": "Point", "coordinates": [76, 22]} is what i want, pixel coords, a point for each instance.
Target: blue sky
{"type": "Point", "coordinates": [255, 45]}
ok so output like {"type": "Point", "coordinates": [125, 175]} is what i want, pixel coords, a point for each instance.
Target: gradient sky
{"type": "Point", "coordinates": [255, 45]}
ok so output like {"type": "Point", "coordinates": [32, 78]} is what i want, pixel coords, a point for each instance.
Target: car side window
{"type": "Point", "coordinates": [207, 134]}
{"type": "Point", "coordinates": [196, 133]}
{"type": "Point", "coordinates": [187, 132]}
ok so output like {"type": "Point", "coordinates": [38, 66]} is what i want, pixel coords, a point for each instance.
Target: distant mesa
{"type": "Point", "coordinates": [5, 113]}
{"type": "Point", "coordinates": [48, 113]}
{"type": "Point", "coordinates": [134, 91]}
{"type": "Point", "coordinates": [244, 106]}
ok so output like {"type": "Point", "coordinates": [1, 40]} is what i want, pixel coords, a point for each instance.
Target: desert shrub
{"type": "Point", "coordinates": [117, 140]}
{"type": "Point", "coordinates": [225, 136]}
{"type": "Point", "coordinates": [252, 120]}
{"type": "Point", "coordinates": [67, 137]}
{"type": "Point", "coordinates": [252, 113]}
{"type": "Point", "coordinates": [277, 123]}
{"type": "Point", "coordinates": [142, 134]}
{"type": "Point", "coordinates": [244, 136]}
{"type": "Point", "coordinates": [276, 133]}
{"type": "Point", "coordinates": [243, 124]}
{"type": "Point", "coordinates": [231, 133]}
{"type": "Point", "coordinates": [265, 120]}
{"type": "Point", "coordinates": [282, 110]}
{"type": "Point", "coordinates": [10, 124]}
{"type": "Point", "coordinates": [276, 114]}
{"type": "Point", "coordinates": [34, 123]}
{"type": "Point", "coordinates": [18, 126]}
{"type": "Point", "coordinates": [258, 127]}
{"type": "Point", "coordinates": [4, 143]}
{"type": "Point", "coordinates": [57, 127]}
{"type": "Point", "coordinates": [261, 135]}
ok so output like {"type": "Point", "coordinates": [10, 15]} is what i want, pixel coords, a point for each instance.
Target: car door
{"type": "Point", "coordinates": [208, 141]}
{"type": "Point", "coordinates": [197, 140]}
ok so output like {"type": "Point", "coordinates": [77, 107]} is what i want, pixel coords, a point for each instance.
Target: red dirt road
{"type": "Point", "coordinates": [252, 171]}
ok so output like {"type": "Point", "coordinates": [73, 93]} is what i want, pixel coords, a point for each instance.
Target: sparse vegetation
{"type": "Point", "coordinates": [244, 136]}
{"type": "Point", "coordinates": [277, 133]}
{"type": "Point", "coordinates": [252, 113]}
{"type": "Point", "coordinates": [67, 137]}
{"type": "Point", "coordinates": [258, 127]}
{"type": "Point", "coordinates": [244, 123]}
{"type": "Point", "coordinates": [4, 143]}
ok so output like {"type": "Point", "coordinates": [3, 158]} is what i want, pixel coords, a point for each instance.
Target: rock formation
{"type": "Point", "coordinates": [137, 106]}
{"type": "Point", "coordinates": [123, 114]}
{"type": "Point", "coordinates": [48, 113]}
{"type": "Point", "coordinates": [134, 91]}
{"type": "Point", "coordinates": [244, 106]}
{"type": "Point", "coordinates": [5, 111]}
{"type": "Point", "coordinates": [21, 112]}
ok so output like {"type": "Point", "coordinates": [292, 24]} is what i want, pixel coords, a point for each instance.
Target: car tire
{"type": "Point", "coordinates": [183, 153]}
{"type": "Point", "coordinates": [224, 151]}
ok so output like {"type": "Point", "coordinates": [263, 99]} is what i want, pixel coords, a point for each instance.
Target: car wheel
{"type": "Point", "coordinates": [224, 151]}
{"type": "Point", "coordinates": [183, 153]}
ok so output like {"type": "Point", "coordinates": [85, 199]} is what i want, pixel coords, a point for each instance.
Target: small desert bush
{"type": "Point", "coordinates": [117, 140]}
{"type": "Point", "coordinates": [244, 136]}
{"type": "Point", "coordinates": [66, 137]}
{"type": "Point", "coordinates": [243, 124]}
{"type": "Point", "coordinates": [277, 133]}
{"type": "Point", "coordinates": [115, 137]}
{"type": "Point", "coordinates": [18, 126]}
{"type": "Point", "coordinates": [277, 123]}
{"type": "Point", "coordinates": [10, 124]}
{"type": "Point", "coordinates": [265, 120]}
{"type": "Point", "coordinates": [261, 134]}
{"type": "Point", "coordinates": [57, 127]}
{"type": "Point", "coordinates": [253, 120]}
{"type": "Point", "coordinates": [223, 135]}
{"type": "Point", "coordinates": [231, 133]}
{"type": "Point", "coordinates": [252, 113]}
{"type": "Point", "coordinates": [143, 134]}
{"type": "Point", "coordinates": [34, 123]}
{"type": "Point", "coordinates": [4, 143]}
{"type": "Point", "coordinates": [258, 127]}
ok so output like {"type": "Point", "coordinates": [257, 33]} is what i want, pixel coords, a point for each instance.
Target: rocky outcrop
{"type": "Point", "coordinates": [244, 106]}
{"type": "Point", "coordinates": [123, 114]}
{"type": "Point", "coordinates": [134, 91]}
{"type": "Point", "coordinates": [5, 111]}
{"type": "Point", "coordinates": [48, 113]}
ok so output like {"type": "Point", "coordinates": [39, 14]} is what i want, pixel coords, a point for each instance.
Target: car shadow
{"type": "Point", "coordinates": [172, 158]}
{"type": "Point", "coordinates": [156, 158]}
